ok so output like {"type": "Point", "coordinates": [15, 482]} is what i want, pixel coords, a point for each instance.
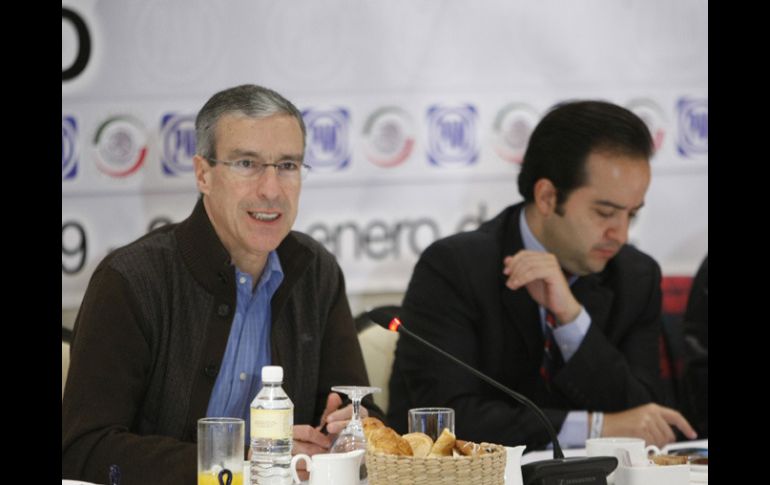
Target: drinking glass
{"type": "Point", "coordinates": [352, 437]}
{"type": "Point", "coordinates": [220, 451]}
{"type": "Point", "coordinates": [431, 421]}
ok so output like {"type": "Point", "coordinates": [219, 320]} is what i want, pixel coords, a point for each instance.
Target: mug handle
{"type": "Point", "coordinates": [653, 448]}
{"type": "Point", "coordinates": [293, 465]}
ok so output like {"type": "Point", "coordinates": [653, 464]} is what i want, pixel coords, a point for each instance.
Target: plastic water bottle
{"type": "Point", "coordinates": [272, 418]}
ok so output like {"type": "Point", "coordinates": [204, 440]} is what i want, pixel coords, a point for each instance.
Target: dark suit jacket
{"type": "Point", "coordinates": [695, 384]}
{"type": "Point", "coordinates": [458, 300]}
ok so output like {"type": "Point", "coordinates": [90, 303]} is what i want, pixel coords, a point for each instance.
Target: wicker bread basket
{"type": "Point", "coordinates": [487, 469]}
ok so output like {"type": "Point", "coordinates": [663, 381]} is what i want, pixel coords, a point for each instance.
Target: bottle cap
{"type": "Point", "coordinates": [272, 373]}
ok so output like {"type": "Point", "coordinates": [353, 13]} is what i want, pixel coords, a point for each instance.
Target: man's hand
{"type": "Point", "coordinates": [310, 441]}
{"type": "Point", "coordinates": [650, 422]}
{"type": "Point", "coordinates": [333, 402]}
{"type": "Point", "coordinates": [307, 440]}
{"type": "Point", "coordinates": [338, 419]}
{"type": "Point", "coordinates": [334, 418]}
{"type": "Point", "coordinates": [542, 275]}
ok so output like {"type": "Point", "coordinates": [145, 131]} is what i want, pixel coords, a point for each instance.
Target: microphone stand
{"type": "Point", "coordinates": [559, 470]}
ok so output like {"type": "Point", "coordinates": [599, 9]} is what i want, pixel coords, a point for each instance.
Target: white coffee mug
{"type": "Point", "coordinates": [653, 474]}
{"type": "Point", "coordinates": [512, 475]}
{"type": "Point", "coordinates": [637, 452]}
{"type": "Point", "coordinates": [330, 468]}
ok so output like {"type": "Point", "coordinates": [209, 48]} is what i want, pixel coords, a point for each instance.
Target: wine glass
{"type": "Point", "coordinates": [352, 437]}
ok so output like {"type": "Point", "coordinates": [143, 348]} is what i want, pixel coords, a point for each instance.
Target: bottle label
{"type": "Point", "coordinates": [271, 423]}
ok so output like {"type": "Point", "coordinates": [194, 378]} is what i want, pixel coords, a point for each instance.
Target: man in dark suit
{"type": "Point", "coordinates": [547, 298]}
{"type": "Point", "coordinates": [695, 379]}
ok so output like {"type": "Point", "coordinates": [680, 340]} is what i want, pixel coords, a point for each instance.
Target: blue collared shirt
{"type": "Point", "coordinates": [568, 337]}
{"type": "Point", "coordinates": [248, 346]}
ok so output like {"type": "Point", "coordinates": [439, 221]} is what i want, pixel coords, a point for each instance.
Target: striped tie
{"type": "Point", "coordinates": [552, 358]}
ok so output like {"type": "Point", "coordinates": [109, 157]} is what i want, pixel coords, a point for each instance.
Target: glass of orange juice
{"type": "Point", "coordinates": [220, 451]}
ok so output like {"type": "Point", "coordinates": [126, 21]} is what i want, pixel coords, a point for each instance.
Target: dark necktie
{"type": "Point", "coordinates": [552, 358]}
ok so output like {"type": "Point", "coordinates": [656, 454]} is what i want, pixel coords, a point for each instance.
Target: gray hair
{"type": "Point", "coordinates": [248, 100]}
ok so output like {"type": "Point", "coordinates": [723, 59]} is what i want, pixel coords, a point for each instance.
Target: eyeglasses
{"type": "Point", "coordinates": [288, 170]}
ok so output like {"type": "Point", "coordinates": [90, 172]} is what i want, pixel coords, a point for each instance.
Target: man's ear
{"type": "Point", "coordinates": [545, 196]}
{"type": "Point", "coordinates": [202, 174]}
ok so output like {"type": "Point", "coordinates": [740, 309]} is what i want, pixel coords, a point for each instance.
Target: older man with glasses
{"type": "Point", "coordinates": [178, 324]}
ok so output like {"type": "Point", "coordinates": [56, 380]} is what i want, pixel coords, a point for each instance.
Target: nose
{"type": "Point", "coordinates": [618, 230]}
{"type": "Point", "coordinates": [268, 183]}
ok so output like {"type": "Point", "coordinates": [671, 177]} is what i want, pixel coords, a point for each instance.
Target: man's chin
{"type": "Point", "coordinates": [588, 266]}
{"type": "Point", "coordinates": [265, 246]}
{"type": "Point", "coordinates": [597, 265]}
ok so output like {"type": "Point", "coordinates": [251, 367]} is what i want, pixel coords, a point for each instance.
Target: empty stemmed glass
{"type": "Point", "coordinates": [352, 437]}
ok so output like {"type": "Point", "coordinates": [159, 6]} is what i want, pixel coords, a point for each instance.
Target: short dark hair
{"type": "Point", "coordinates": [561, 143]}
{"type": "Point", "coordinates": [248, 100]}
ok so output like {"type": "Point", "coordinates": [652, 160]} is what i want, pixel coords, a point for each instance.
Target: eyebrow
{"type": "Point", "coordinates": [613, 205]}
{"type": "Point", "coordinates": [251, 153]}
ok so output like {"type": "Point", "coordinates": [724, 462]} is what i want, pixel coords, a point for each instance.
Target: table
{"type": "Point", "coordinates": [697, 475]}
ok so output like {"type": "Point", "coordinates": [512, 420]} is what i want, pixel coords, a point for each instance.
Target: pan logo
{"type": "Point", "coordinates": [452, 135]}
{"type": "Point", "coordinates": [120, 145]}
{"type": "Point", "coordinates": [177, 134]}
{"type": "Point", "coordinates": [388, 136]}
{"type": "Point", "coordinates": [69, 152]}
{"type": "Point", "coordinates": [327, 138]}
{"type": "Point", "coordinates": [693, 121]}
{"type": "Point", "coordinates": [652, 115]}
{"type": "Point", "coordinates": [512, 128]}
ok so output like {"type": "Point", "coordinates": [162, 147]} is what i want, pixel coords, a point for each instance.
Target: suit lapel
{"type": "Point", "coordinates": [521, 314]}
{"type": "Point", "coordinates": [519, 309]}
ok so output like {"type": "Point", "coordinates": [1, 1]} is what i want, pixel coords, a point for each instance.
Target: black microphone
{"type": "Point", "coordinates": [559, 470]}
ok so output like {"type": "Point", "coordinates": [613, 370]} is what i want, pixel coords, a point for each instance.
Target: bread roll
{"type": "Point", "coordinates": [466, 448]}
{"type": "Point", "coordinates": [385, 440]}
{"type": "Point", "coordinates": [444, 444]}
{"type": "Point", "coordinates": [669, 460]}
{"type": "Point", "coordinates": [485, 448]}
{"type": "Point", "coordinates": [420, 443]}
{"type": "Point", "coordinates": [370, 424]}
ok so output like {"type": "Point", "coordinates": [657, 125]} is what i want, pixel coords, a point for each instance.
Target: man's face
{"type": "Point", "coordinates": [595, 217]}
{"type": "Point", "coordinates": [252, 215]}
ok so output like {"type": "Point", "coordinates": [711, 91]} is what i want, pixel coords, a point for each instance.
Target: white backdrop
{"type": "Point", "coordinates": [418, 112]}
